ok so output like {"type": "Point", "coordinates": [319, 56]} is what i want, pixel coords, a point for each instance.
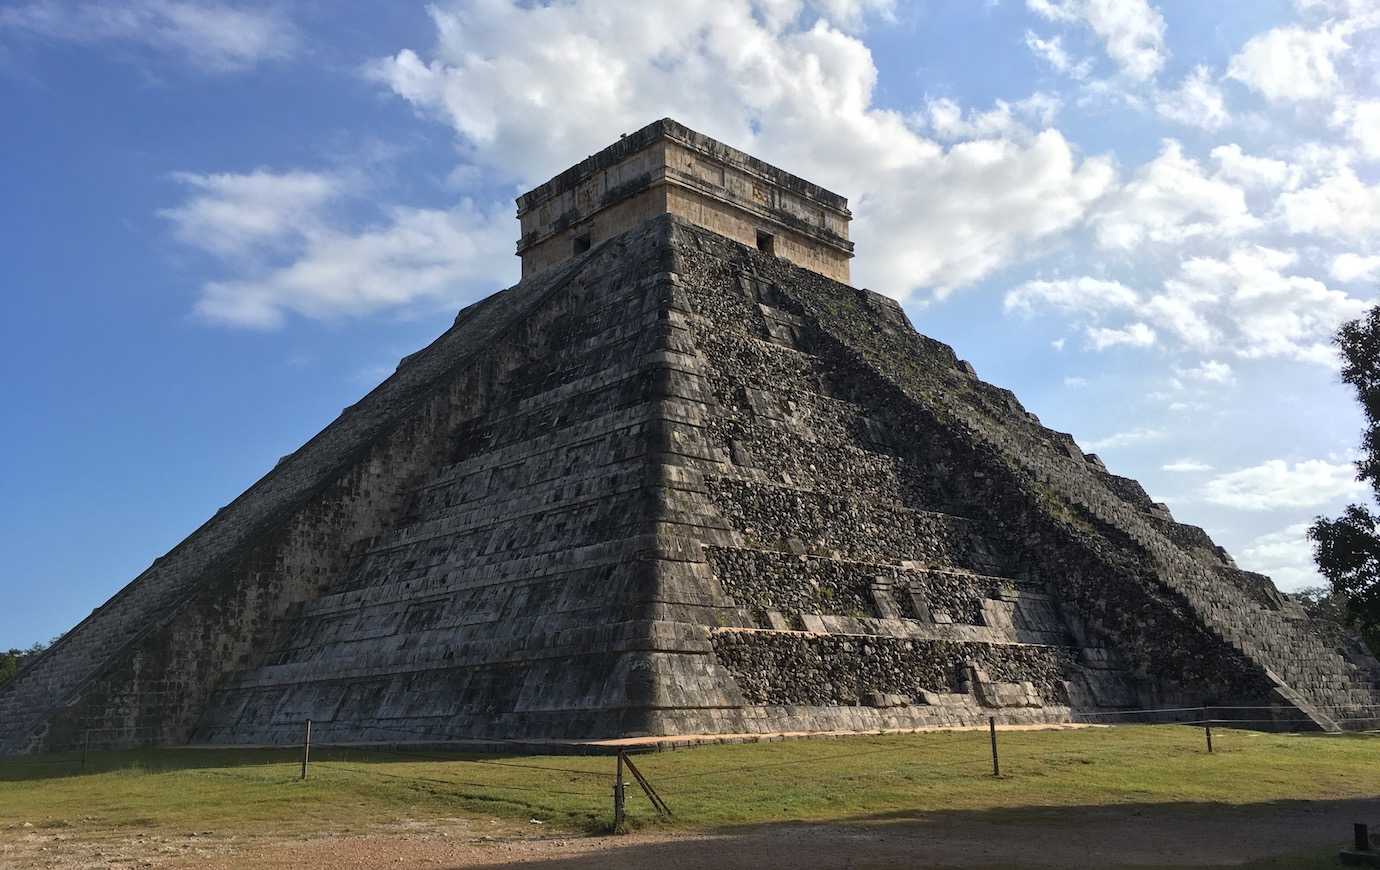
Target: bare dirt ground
{"type": "Point", "coordinates": [1186, 835]}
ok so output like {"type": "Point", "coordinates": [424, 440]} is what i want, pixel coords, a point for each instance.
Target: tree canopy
{"type": "Point", "coordinates": [1347, 549]}
{"type": "Point", "coordinates": [12, 659]}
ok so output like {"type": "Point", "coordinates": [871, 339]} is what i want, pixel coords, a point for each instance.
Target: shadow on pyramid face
{"type": "Point", "coordinates": [670, 485]}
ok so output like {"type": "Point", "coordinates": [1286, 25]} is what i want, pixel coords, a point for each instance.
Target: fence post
{"type": "Point", "coordinates": [992, 729]}
{"type": "Point", "coordinates": [1207, 732]}
{"type": "Point", "coordinates": [306, 748]}
{"type": "Point", "coordinates": [618, 797]}
{"type": "Point", "coordinates": [85, 744]}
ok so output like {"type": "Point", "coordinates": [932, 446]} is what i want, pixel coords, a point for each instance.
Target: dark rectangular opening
{"type": "Point", "coordinates": [582, 244]}
{"type": "Point", "coordinates": [766, 242]}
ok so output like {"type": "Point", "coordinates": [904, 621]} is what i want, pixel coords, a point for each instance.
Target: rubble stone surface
{"type": "Point", "coordinates": [676, 485]}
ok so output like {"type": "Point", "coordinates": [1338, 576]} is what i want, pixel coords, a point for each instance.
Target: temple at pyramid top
{"type": "Point", "coordinates": [667, 168]}
{"type": "Point", "coordinates": [680, 487]}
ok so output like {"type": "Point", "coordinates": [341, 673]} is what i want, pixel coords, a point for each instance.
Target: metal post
{"type": "Point", "coordinates": [85, 744]}
{"type": "Point", "coordinates": [618, 797]}
{"type": "Point", "coordinates": [306, 748]}
{"type": "Point", "coordinates": [1207, 732]}
{"type": "Point", "coordinates": [992, 728]}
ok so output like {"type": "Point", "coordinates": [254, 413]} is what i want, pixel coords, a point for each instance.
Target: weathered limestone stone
{"type": "Point", "coordinates": [676, 485]}
{"type": "Point", "coordinates": [666, 168]}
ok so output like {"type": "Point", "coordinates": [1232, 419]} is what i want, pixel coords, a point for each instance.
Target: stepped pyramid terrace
{"type": "Point", "coordinates": [681, 479]}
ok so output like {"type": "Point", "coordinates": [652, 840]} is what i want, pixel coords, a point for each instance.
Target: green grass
{"type": "Point", "coordinates": [858, 778]}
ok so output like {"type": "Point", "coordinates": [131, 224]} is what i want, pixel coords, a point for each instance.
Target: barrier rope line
{"type": "Point", "coordinates": [343, 766]}
{"type": "Point", "coordinates": [539, 767]}
{"type": "Point", "coordinates": [796, 761]}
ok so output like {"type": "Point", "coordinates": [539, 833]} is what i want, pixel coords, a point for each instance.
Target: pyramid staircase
{"type": "Point", "coordinates": [679, 487]}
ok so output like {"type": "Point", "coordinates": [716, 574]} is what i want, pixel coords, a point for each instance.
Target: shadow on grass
{"type": "Point", "coordinates": [1261, 836]}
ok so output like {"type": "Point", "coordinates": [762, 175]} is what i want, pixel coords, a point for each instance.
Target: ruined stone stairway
{"type": "Point", "coordinates": [676, 486]}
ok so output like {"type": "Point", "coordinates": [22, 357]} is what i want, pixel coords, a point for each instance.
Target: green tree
{"type": "Point", "coordinates": [11, 660]}
{"type": "Point", "coordinates": [1347, 549]}
{"type": "Point", "coordinates": [9, 664]}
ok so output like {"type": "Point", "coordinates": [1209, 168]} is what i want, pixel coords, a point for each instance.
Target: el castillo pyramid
{"type": "Point", "coordinates": [682, 479]}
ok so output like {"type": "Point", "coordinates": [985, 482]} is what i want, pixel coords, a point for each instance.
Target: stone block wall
{"type": "Point", "coordinates": [677, 487]}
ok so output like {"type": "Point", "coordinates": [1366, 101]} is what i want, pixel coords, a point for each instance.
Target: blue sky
{"type": "Point", "coordinates": [223, 223]}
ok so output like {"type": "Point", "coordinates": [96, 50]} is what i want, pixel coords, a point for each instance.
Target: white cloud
{"type": "Point", "coordinates": [233, 213]}
{"type": "Point", "coordinates": [1134, 335]}
{"type": "Point", "coordinates": [1249, 171]}
{"type": "Point", "coordinates": [1340, 206]}
{"type": "Point", "coordinates": [1344, 8]}
{"type": "Point", "coordinates": [848, 14]}
{"type": "Point", "coordinates": [416, 256]}
{"type": "Point", "coordinates": [1270, 313]}
{"type": "Point", "coordinates": [1186, 466]}
{"type": "Point", "coordinates": [1210, 371]}
{"type": "Point", "coordinates": [1171, 200]}
{"type": "Point", "coordinates": [1196, 102]}
{"type": "Point", "coordinates": [950, 122]}
{"type": "Point", "coordinates": [1278, 484]}
{"type": "Point", "coordinates": [1075, 383]}
{"type": "Point", "coordinates": [1250, 301]}
{"type": "Point", "coordinates": [1132, 30]}
{"type": "Point", "coordinates": [1128, 438]}
{"type": "Point", "coordinates": [1291, 63]}
{"type": "Point", "coordinates": [947, 222]}
{"type": "Point", "coordinates": [1355, 267]}
{"type": "Point", "coordinates": [1070, 294]}
{"type": "Point", "coordinates": [213, 37]}
{"type": "Point", "coordinates": [1052, 52]}
{"type": "Point", "coordinates": [1286, 556]}
{"type": "Point", "coordinates": [1361, 118]}
{"type": "Point", "coordinates": [527, 86]}
{"type": "Point", "coordinates": [294, 254]}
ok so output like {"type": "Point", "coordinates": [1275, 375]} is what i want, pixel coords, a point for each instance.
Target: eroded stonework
{"type": "Point", "coordinates": [678, 486]}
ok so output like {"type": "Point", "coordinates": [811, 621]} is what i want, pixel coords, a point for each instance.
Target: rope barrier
{"type": "Point", "coordinates": [815, 760]}
{"type": "Point", "coordinates": [337, 765]}
{"type": "Point", "coordinates": [570, 770]}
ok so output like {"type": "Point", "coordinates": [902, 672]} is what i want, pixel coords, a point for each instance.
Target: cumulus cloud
{"type": "Point", "coordinates": [1129, 438]}
{"type": "Point", "coordinates": [1291, 63]}
{"type": "Point", "coordinates": [1271, 312]}
{"type": "Point", "coordinates": [1279, 484]}
{"type": "Point", "coordinates": [213, 37]}
{"type": "Point", "coordinates": [1339, 206]}
{"type": "Point", "coordinates": [1052, 52]}
{"type": "Point", "coordinates": [1249, 171]}
{"type": "Point", "coordinates": [950, 122]}
{"type": "Point", "coordinates": [1132, 31]}
{"type": "Point", "coordinates": [1196, 102]}
{"type": "Point", "coordinates": [1170, 200]}
{"type": "Point", "coordinates": [1070, 294]}
{"type": "Point", "coordinates": [294, 254]}
{"type": "Point", "coordinates": [1186, 466]}
{"type": "Point", "coordinates": [1365, 127]}
{"type": "Point", "coordinates": [1209, 372]}
{"type": "Point", "coordinates": [1286, 556]}
{"type": "Point", "coordinates": [1251, 301]}
{"type": "Point", "coordinates": [231, 213]}
{"type": "Point", "coordinates": [1133, 335]}
{"type": "Point", "coordinates": [1355, 267]}
{"type": "Point", "coordinates": [526, 86]}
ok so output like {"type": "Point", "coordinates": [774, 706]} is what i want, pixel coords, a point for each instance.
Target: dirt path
{"type": "Point", "coordinates": [1128, 836]}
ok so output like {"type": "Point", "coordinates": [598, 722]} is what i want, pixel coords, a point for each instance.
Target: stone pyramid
{"type": "Point", "coordinates": [681, 480]}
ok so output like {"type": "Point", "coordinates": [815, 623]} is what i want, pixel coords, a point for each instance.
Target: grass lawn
{"type": "Point", "coordinates": [865, 777]}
